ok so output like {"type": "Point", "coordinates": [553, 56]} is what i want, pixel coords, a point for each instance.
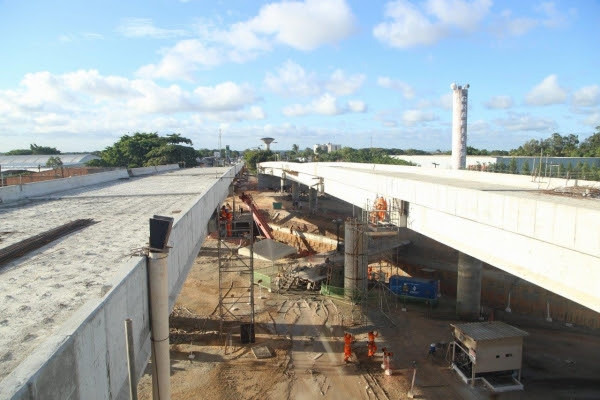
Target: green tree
{"type": "Point", "coordinates": [43, 150]}
{"type": "Point", "coordinates": [54, 162]}
{"type": "Point", "coordinates": [512, 166]}
{"type": "Point", "coordinates": [253, 157]}
{"type": "Point", "coordinates": [526, 169]}
{"type": "Point", "coordinates": [172, 154]}
{"type": "Point", "coordinates": [33, 149]}
{"type": "Point", "coordinates": [142, 149]}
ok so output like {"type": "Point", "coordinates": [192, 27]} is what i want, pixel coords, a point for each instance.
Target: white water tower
{"type": "Point", "coordinates": [267, 141]}
{"type": "Point", "coordinates": [460, 97]}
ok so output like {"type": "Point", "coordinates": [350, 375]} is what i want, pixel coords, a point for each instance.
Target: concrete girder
{"type": "Point", "coordinates": [502, 220]}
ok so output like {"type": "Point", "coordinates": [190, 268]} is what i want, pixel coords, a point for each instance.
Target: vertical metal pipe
{"type": "Point", "coordinates": [130, 359]}
{"type": "Point", "coordinates": [159, 303]}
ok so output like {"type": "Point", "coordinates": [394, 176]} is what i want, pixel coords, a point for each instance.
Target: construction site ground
{"type": "Point", "coordinates": [303, 332]}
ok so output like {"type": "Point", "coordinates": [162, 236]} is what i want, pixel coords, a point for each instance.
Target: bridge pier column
{"type": "Point", "coordinates": [468, 286]}
{"type": "Point", "coordinates": [312, 196]}
{"type": "Point", "coordinates": [282, 185]}
{"type": "Point", "coordinates": [295, 190]}
{"type": "Point", "coordinates": [355, 260]}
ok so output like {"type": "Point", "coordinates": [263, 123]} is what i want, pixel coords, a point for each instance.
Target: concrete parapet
{"type": "Point", "coordinates": [28, 190]}
{"type": "Point", "coordinates": [153, 169]}
{"type": "Point", "coordinates": [84, 358]}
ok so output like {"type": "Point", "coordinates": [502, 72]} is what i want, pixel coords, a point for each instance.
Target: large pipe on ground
{"type": "Point", "coordinates": [355, 259]}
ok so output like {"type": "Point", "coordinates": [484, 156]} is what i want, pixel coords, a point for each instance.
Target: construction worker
{"type": "Point", "coordinates": [371, 346]}
{"type": "Point", "coordinates": [381, 206]}
{"type": "Point", "coordinates": [347, 346]}
{"type": "Point", "coordinates": [227, 217]}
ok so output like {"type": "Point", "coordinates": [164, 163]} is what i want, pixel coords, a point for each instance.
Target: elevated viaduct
{"type": "Point", "coordinates": [507, 221]}
{"type": "Point", "coordinates": [63, 306]}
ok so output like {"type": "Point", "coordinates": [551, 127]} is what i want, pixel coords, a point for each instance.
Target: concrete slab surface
{"type": "Point", "coordinates": [42, 289]}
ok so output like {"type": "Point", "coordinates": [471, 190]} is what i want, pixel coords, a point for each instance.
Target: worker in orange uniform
{"type": "Point", "coordinates": [227, 217]}
{"type": "Point", "coordinates": [371, 346]}
{"type": "Point", "coordinates": [347, 346]}
{"type": "Point", "coordinates": [382, 208]}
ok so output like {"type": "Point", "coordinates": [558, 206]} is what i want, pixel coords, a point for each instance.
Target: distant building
{"type": "Point", "coordinates": [327, 148]}
{"type": "Point", "coordinates": [37, 162]}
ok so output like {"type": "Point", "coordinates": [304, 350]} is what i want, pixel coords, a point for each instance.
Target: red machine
{"type": "Point", "coordinates": [258, 217]}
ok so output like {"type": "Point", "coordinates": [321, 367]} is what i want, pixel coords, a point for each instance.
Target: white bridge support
{"type": "Point", "coordinates": [504, 220]}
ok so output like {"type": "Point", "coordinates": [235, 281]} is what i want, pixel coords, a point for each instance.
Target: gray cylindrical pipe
{"type": "Point", "coordinates": [159, 304]}
{"type": "Point", "coordinates": [355, 259]}
{"type": "Point", "coordinates": [468, 286]}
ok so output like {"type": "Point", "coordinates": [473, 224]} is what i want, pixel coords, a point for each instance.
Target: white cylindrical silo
{"type": "Point", "coordinates": [460, 96]}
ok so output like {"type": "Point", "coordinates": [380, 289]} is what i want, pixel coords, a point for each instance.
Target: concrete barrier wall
{"type": "Point", "coordinates": [86, 357]}
{"type": "Point", "coordinates": [153, 170]}
{"type": "Point", "coordinates": [21, 192]}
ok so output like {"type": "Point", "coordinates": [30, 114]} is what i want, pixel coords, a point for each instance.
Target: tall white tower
{"type": "Point", "coordinates": [460, 99]}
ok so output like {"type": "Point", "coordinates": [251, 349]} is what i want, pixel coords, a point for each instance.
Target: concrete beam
{"type": "Point", "coordinates": [503, 220]}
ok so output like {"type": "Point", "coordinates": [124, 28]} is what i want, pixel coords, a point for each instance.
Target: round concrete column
{"type": "Point", "coordinates": [312, 195]}
{"type": "Point", "coordinates": [295, 191]}
{"type": "Point", "coordinates": [355, 260]}
{"type": "Point", "coordinates": [468, 286]}
{"type": "Point", "coordinates": [282, 185]}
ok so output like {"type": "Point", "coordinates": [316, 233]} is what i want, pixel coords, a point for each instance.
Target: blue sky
{"type": "Point", "coordinates": [77, 75]}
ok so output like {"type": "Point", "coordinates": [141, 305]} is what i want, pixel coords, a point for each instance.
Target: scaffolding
{"type": "Point", "coordinates": [236, 275]}
{"type": "Point", "coordinates": [382, 220]}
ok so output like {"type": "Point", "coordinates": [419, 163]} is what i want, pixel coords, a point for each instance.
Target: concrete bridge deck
{"type": "Point", "coordinates": [507, 221]}
{"type": "Point", "coordinates": [63, 306]}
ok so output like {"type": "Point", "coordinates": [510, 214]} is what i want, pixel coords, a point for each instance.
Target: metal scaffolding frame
{"type": "Point", "coordinates": [379, 223]}
{"type": "Point", "coordinates": [236, 274]}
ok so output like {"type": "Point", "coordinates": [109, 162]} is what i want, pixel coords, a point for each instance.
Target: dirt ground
{"type": "Point", "coordinates": [304, 333]}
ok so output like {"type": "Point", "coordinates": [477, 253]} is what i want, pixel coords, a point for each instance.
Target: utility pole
{"type": "Point", "coordinates": [219, 142]}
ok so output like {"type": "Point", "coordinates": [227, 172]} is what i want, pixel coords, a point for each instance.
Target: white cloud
{"type": "Point", "coordinates": [182, 61]}
{"type": "Point", "coordinates": [357, 106]}
{"type": "Point", "coordinates": [292, 80]}
{"type": "Point", "coordinates": [547, 16]}
{"type": "Point", "coordinates": [408, 25]}
{"type": "Point", "coordinates": [412, 117]}
{"type": "Point", "coordinates": [84, 102]}
{"type": "Point", "coordinates": [587, 96]}
{"type": "Point", "coordinates": [526, 122]}
{"type": "Point", "coordinates": [325, 105]}
{"type": "Point", "coordinates": [546, 93]}
{"type": "Point", "coordinates": [402, 87]}
{"type": "Point", "coordinates": [144, 27]}
{"type": "Point", "coordinates": [593, 119]}
{"type": "Point", "coordinates": [499, 102]}
{"type": "Point", "coordinates": [342, 85]}
{"type": "Point", "coordinates": [462, 14]}
{"type": "Point", "coordinates": [303, 25]}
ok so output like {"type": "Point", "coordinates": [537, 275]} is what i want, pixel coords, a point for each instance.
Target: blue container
{"type": "Point", "coordinates": [417, 288]}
